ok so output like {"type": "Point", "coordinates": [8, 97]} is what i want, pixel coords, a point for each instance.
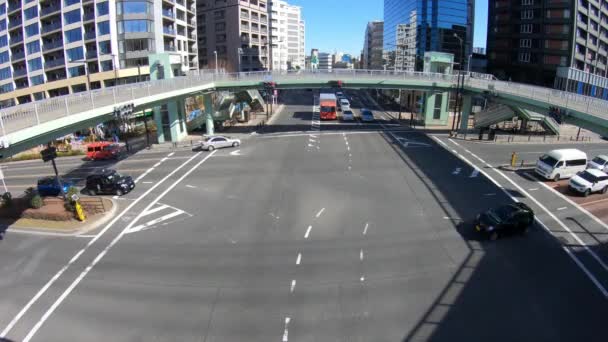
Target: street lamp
{"type": "Point", "coordinates": [459, 89]}
{"type": "Point", "coordinates": [239, 52]}
{"type": "Point", "coordinates": [215, 53]}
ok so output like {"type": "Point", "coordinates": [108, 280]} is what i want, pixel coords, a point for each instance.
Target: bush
{"type": "Point", "coordinates": [30, 193]}
{"type": "Point", "coordinates": [36, 202]}
{"type": "Point", "coordinates": [69, 203]}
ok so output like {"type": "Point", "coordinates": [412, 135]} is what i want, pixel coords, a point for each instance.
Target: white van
{"type": "Point", "coordinates": [560, 164]}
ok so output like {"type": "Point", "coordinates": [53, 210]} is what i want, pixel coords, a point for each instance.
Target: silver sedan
{"type": "Point", "coordinates": [217, 141]}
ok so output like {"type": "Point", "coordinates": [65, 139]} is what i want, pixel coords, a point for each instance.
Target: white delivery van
{"type": "Point", "coordinates": [559, 164]}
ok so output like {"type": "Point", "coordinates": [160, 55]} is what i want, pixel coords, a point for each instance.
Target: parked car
{"type": "Point", "coordinates": [561, 164]}
{"type": "Point", "coordinates": [344, 104]}
{"type": "Point", "coordinates": [109, 182]}
{"type": "Point", "coordinates": [505, 220]}
{"type": "Point", "coordinates": [49, 186]}
{"type": "Point", "coordinates": [588, 181]}
{"type": "Point", "coordinates": [105, 150]}
{"type": "Point", "coordinates": [339, 94]}
{"type": "Point", "coordinates": [367, 115]}
{"type": "Point", "coordinates": [217, 141]}
{"type": "Point", "coordinates": [348, 115]}
{"type": "Point", "coordinates": [600, 163]}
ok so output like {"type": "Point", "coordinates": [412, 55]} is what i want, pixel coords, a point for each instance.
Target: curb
{"type": "Point", "coordinates": [87, 228]}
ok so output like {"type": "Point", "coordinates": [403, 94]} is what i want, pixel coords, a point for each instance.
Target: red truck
{"type": "Point", "coordinates": [327, 106]}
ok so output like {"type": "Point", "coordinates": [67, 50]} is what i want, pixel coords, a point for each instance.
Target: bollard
{"type": "Point", "coordinates": [513, 159]}
{"type": "Point", "coordinates": [522, 163]}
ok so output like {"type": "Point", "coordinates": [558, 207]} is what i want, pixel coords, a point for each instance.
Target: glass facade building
{"type": "Point", "coordinates": [413, 27]}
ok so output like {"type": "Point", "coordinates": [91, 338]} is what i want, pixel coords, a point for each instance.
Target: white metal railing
{"type": "Point", "coordinates": [27, 115]}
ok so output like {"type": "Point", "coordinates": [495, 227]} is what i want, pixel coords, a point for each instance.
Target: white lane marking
{"type": "Point", "coordinates": [299, 258]}
{"type": "Point", "coordinates": [320, 212]}
{"type": "Point", "coordinates": [149, 224]}
{"type": "Point", "coordinates": [115, 197]}
{"type": "Point", "coordinates": [361, 254]}
{"type": "Point", "coordinates": [475, 173]}
{"type": "Point", "coordinates": [190, 186]}
{"type": "Point", "coordinates": [348, 147]}
{"type": "Point", "coordinates": [148, 182]}
{"type": "Point", "coordinates": [441, 142]}
{"type": "Point", "coordinates": [453, 150]}
{"type": "Point", "coordinates": [346, 142]}
{"type": "Point", "coordinates": [467, 151]}
{"type": "Point", "coordinates": [157, 164]}
{"type": "Point", "coordinates": [574, 204]}
{"type": "Point", "coordinates": [350, 155]}
{"type": "Point", "coordinates": [365, 229]}
{"type": "Point", "coordinates": [86, 235]}
{"type": "Point", "coordinates": [362, 279]}
{"type": "Point", "coordinates": [307, 232]}
{"type": "Point", "coordinates": [456, 171]}
{"type": "Point", "coordinates": [162, 160]}
{"type": "Point", "coordinates": [235, 153]}
{"type": "Point", "coordinates": [144, 174]}
{"type": "Point", "coordinates": [562, 208]}
{"type": "Point", "coordinates": [532, 189]}
{"type": "Point", "coordinates": [453, 142]}
{"type": "Point", "coordinates": [77, 255]}
{"type": "Point", "coordinates": [286, 331]}
{"type": "Point", "coordinates": [64, 295]}
{"type": "Point", "coordinates": [476, 157]}
{"type": "Point", "coordinates": [151, 211]}
{"type": "Point", "coordinates": [293, 285]}
{"type": "Point", "coordinates": [350, 167]}
{"type": "Point", "coordinates": [300, 134]}
{"type": "Point", "coordinates": [170, 154]}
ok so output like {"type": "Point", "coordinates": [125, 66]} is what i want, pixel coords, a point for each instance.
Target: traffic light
{"type": "Point", "coordinates": [123, 111]}
{"type": "Point", "coordinates": [48, 154]}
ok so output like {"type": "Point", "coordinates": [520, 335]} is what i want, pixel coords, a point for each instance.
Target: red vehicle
{"type": "Point", "coordinates": [327, 106]}
{"type": "Point", "coordinates": [105, 150]}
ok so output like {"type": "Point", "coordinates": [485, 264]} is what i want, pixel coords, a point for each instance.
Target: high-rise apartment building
{"type": "Point", "coordinates": [550, 43]}
{"type": "Point", "coordinates": [325, 61]}
{"type": "Point", "coordinates": [373, 45]}
{"type": "Point", "coordinates": [56, 47]}
{"type": "Point", "coordinates": [287, 34]}
{"type": "Point", "coordinates": [235, 33]}
{"type": "Point", "coordinates": [413, 27]}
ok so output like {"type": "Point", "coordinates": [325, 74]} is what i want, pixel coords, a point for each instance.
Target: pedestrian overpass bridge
{"type": "Point", "coordinates": [28, 125]}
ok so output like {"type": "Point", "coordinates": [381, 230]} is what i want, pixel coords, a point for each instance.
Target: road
{"type": "Point", "coordinates": [353, 234]}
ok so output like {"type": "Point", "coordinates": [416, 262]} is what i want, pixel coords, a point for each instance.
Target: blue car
{"type": "Point", "coordinates": [367, 115]}
{"type": "Point", "coordinates": [49, 186]}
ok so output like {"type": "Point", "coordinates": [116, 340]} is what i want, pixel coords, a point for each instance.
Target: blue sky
{"type": "Point", "coordinates": [338, 25]}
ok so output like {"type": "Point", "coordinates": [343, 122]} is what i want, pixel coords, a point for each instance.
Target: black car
{"type": "Point", "coordinates": [109, 182]}
{"type": "Point", "coordinates": [505, 220]}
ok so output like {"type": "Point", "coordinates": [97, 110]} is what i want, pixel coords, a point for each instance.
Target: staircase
{"type": "Point", "coordinates": [548, 123]}
{"type": "Point", "coordinates": [493, 115]}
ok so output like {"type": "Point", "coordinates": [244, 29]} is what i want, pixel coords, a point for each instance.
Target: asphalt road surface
{"type": "Point", "coordinates": [328, 235]}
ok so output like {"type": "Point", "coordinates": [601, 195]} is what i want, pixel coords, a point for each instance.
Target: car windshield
{"type": "Point", "coordinates": [547, 159]}
{"type": "Point", "coordinates": [114, 176]}
{"type": "Point", "coordinates": [501, 213]}
{"type": "Point", "coordinates": [599, 160]}
{"type": "Point", "coordinates": [348, 112]}
{"type": "Point", "coordinates": [588, 177]}
{"type": "Point", "coordinates": [326, 109]}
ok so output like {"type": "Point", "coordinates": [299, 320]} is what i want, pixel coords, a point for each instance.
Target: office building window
{"type": "Point", "coordinates": [73, 35]}
{"type": "Point", "coordinates": [103, 28]}
{"type": "Point", "coordinates": [4, 57]}
{"type": "Point", "coordinates": [525, 43]}
{"type": "Point", "coordinates": [524, 57]}
{"type": "Point", "coordinates": [106, 65]}
{"type": "Point", "coordinates": [5, 88]}
{"type": "Point", "coordinates": [105, 47]}
{"type": "Point", "coordinates": [34, 64]}
{"type": "Point", "coordinates": [135, 26]}
{"type": "Point", "coordinates": [75, 54]}
{"type": "Point", "coordinates": [527, 2]}
{"type": "Point", "coordinates": [32, 30]}
{"type": "Point", "coordinates": [131, 45]}
{"type": "Point", "coordinates": [39, 96]}
{"type": "Point", "coordinates": [2, 24]}
{"type": "Point", "coordinates": [36, 80]}
{"type": "Point", "coordinates": [70, 2]}
{"type": "Point", "coordinates": [71, 17]}
{"type": "Point", "coordinates": [527, 14]}
{"type": "Point", "coordinates": [526, 28]}
{"type": "Point", "coordinates": [30, 13]}
{"type": "Point", "coordinates": [33, 47]}
{"type": "Point", "coordinates": [133, 7]}
{"type": "Point", "coordinates": [219, 14]}
{"type": "Point", "coordinates": [3, 8]}
{"type": "Point", "coordinates": [220, 26]}
{"type": "Point", "coordinates": [103, 8]}
{"type": "Point", "coordinates": [76, 71]}
{"type": "Point", "coordinates": [3, 41]}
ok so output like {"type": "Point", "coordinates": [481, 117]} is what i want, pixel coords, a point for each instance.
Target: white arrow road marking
{"type": "Point", "coordinates": [235, 153]}
{"type": "Point", "coordinates": [456, 171]}
{"type": "Point", "coordinates": [151, 211]}
{"type": "Point", "coordinates": [474, 174]}
{"type": "Point", "coordinates": [154, 222]}
{"type": "Point", "coordinates": [286, 332]}
{"type": "Point", "coordinates": [293, 285]}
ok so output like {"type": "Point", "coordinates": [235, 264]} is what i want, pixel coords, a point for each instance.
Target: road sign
{"type": "Point", "coordinates": [48, 154]}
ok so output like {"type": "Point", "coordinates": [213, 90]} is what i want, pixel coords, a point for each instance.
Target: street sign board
{"type": "Point", "coordinates": [48, 154]}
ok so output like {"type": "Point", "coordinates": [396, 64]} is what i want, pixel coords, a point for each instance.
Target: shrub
{"type": "Point", "coordinates": [36, 202]}
{"type": "Point", "coordinates": [30, 193]}
{"type": "Point", "coordinates": [69, 203]}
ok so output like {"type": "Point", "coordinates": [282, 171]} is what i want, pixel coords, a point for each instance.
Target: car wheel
{"type": "Point", "coordinates": [605, 190]}
{"type": "Point", "coordinates": [235, 144]}
{"type": "Point", "coordinates": [556, 178]}
{"type": "Point", "coordinates": [92, 192]}
{"type": "Point", "coordinates": [586, 193]}
{"type": "Point", "coordinates": [210, 148]}
{"type": "Point", "coordinates": [494, 236]}
{"type": "Point", "coordinates": [118, 192]}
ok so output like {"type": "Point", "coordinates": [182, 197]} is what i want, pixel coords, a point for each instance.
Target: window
{"type": "Point", "coordinates": [2, 24]}
{"type": "Point", "coordinates": [526, 28]}
{"type": "Point", "coordinates": [3, 41]}
{"type": "Point", "coordinates": [527, 2]}
{"type": "Point", "coordinates": [36, 80]}
{"type": "Point", "coordinates": [103, 8]}
{"type": "Point", "coordinates": [30, 13]}
{"type": "Point", "coordinates": [527, 14]}
{"type": "Point", "coordinates": [130, 45]}
{"type": "Point", "coordinates": [524, 57]}
{"type": "Point", "coordinates": [219, 14]}
{"type": "Point", "coordinates": [39, 96]}
{"type": "Point", "coordinates": [103, 28]}
{"type": "Point", "coordinates": [105, 47]}
{"type": "Point", "coordinates": [70, 2]}
{"type": "Point", "coordinates": [220, 38]}
{"type": "Point", "coordinates": [75, 54]}
{"type": "Point", "coordinates": [71, 17]}
{"type": "Point", "coordinates": [106, 65]}
{"type": "Point", "coordinates": [525, 43]}
{"type": "Point", "coordinates": [576, 162]}
{"type": "Point", "coordinates": [32, 30]}
{"type": "Point", "coordinates": [437, 109]}
{"type": "Point", "coordinates": [132, 7]}
{"type": "Point", "coordinates": [76, 71]}
{"type": "Point", "coordinates": [34, 64]}
{"type": "Point", "coordinates": [220, 26]}
{"type": "Point", "coordinates": [4, 57]}
{"type": "Point", "coordinates": [3, 8]}
{"type": "Point", "coordinates": [135, 26]}
{"type": "Point", "coordinates": [73, 35]}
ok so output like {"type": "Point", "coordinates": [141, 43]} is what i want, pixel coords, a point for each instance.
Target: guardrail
{"type": "Point", "coordinates": [13, 119]}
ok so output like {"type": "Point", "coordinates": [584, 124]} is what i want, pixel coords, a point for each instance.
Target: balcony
{"type": "Point", "coordinates": [88, 16]}
{"type": "Point", "coordinates": [244, 15]}
{"type": "Point", "coordinates": [169, 48]}
{"type": "Point", "coordinates": [264, 20]}
{"type": "Point", "coordinates": [15, 40]}
{"type": "Point", "coordinates": [169, 31]}
{"type": "Point", "coordinates": [245, 28]}
{"type": "Point", "coordinates": [52, 27]}
{"type": "Point", "coordinates": [52, 45]}
{"type": "Point", "coordinates": [17, 56]}
{"type": "Point", "coordinates": [255, 18]}
{"type": "Point", "coordinates": [168, 14]}
{"type": "Point", "coordinates": [91, 54]}
{"type": "Point", "coordinates": [255, 40]}
{"type": "Point", "coordinates": [255, 29]}
{"type": "Point", "coordinates": [13, 6]}
{"type": "Point", "coordinates": [19, 72]}
{"type": "Point", "coordinates": [90, 35]}
{"type": "Point", "coordinates": [14, 23]}
{"type": "Point", "coordinates": [54, 63]}
{"type": "Point", "coordinates": [49, 10]}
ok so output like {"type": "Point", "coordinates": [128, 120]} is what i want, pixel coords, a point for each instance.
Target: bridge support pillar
{"type": "Point", "coordinates": [208, 102]}
{"type": "Point", "coordinates": [467, 107]}
{"type": "Point", "coordinates": [435, 108]}
{"type": "Point", "coordinates": [170, 121]}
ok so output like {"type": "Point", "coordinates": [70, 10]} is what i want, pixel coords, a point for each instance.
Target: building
{"type": "Point", "coordinates": [479, 50]}
{"type": "Point", "coordinates": [479, 63]}
{"type": "Point", "coordinates": [58, 47]}
{"type": "Point", "coordinates": [325, 61]}
{"type": "Point", "coordinates": [314, 59]}
{"type": "Point", "coordinates": [550, 43]}
{"type": "Point", "coordinates": [288, 35]}
{"type": "Point", "coordinates": [372, 47]}
{"type": "Point", "coordinates": [426, 26]}
{"type": "Point", "coordinates": [235, 33]}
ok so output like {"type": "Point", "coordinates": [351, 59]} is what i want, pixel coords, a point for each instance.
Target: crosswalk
{"type": "Point", "coordinates": [161, 214]}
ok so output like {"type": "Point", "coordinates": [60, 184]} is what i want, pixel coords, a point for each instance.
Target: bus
{"type": "Point", "coordinates": [327, 106]}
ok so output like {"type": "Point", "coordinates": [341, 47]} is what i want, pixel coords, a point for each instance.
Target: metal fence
{"type": "Point", "coordinates": [13, 119]}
